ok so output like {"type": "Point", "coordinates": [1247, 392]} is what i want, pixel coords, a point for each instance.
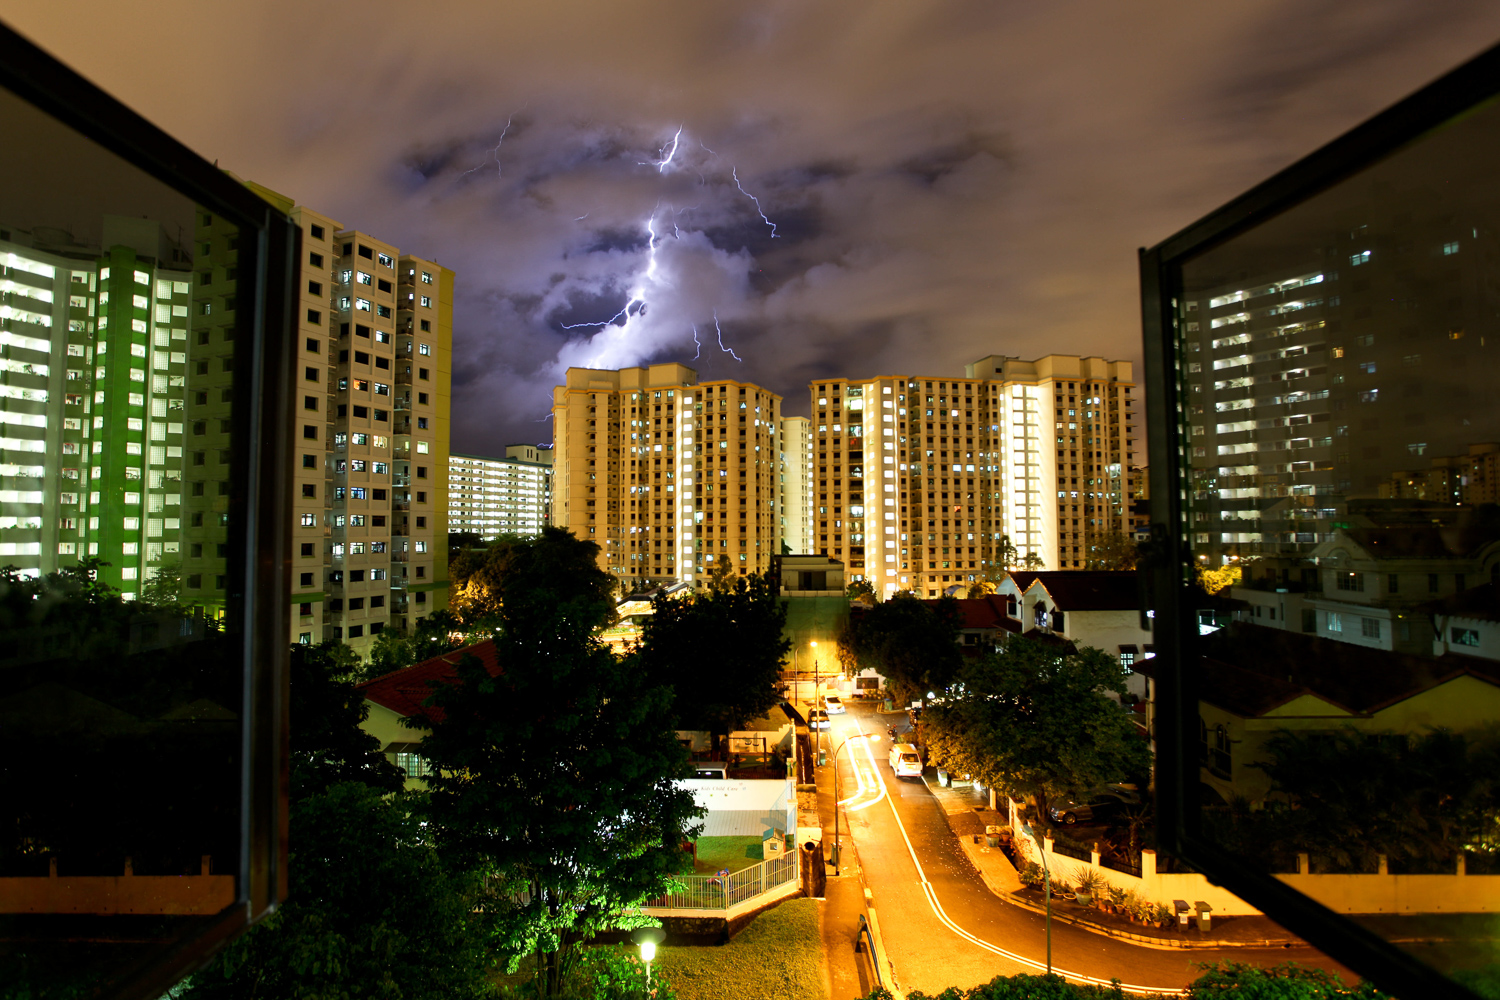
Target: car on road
{"type": "Point", "coordinates": [1097, 806]}
{"type": "Point", "coordinates": [906, 761]}
{"type": "Point", "coordinates": [833, 705]}
{"type": "Point", "coordinates": [817, 719]}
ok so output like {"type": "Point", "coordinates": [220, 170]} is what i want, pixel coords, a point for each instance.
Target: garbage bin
{"type": "Point", "coordinates": [992, 836]}
{"type": "Point", "coordinates": [822, 757]}
{"type": "Point", "coordinates": [887, 705]}
{"type": "Point", "coordinates": [944, 778]}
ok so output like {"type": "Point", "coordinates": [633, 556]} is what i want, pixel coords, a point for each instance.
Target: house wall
{"type": "Point", "coordinates": [1444, 641]}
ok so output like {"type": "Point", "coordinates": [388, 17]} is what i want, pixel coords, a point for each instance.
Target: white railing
{"type": "Point", "coordinates": [722, 892]}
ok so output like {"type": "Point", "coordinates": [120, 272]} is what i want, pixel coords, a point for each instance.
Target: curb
{"type": "Point", "coordinates": [1160, 944]}
{"type": "Point", "coordinates": [1104, 930]}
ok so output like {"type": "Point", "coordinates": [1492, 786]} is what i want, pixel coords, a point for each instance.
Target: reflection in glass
{"type": "Point", "coordinates": [120, 678]}
{"type": "Point", "coordinates": [1343, 434]}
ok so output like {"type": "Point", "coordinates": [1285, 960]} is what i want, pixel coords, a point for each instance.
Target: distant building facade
{"type": "Point", "coordinates": [795, 500]}
{"type": "Point", "coordinates": [490, 497]}
{"type": "Point", "coordinates": [921, 483]}
{"type": "Point", "coordinates": [670, 477]}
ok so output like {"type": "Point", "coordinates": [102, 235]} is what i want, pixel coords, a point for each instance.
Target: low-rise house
{"type": "Point", "coordinates": [1097, 608]}
{"type": "Point", "coordinates": [1257, 680]}
{"type": "Point", "coordinates": [398, 695]}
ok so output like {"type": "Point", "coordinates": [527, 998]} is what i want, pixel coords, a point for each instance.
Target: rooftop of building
{"type": "Point", "coordinates": [1085, 589]}
{"type": "Point", "coordinates": [1251, 670]}
{"type": "Point", "coordinates": [403, 691]}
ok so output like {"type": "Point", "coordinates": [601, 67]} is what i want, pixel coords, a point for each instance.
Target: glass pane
{"type": "Point", "coordinates": [1343, 452]}
{"type": "Point", "coordinates": [120, 664]}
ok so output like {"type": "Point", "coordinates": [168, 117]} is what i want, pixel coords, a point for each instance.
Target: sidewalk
{"type": "Point", "coordinates": [968, 822]}
{"type": "Point", "coordinates": [968, 815]}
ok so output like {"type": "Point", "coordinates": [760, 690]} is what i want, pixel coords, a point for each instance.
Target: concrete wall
{"type": "Point", "coordinates": [770, 795]}
{"type": "Point", "coordinates": [1340, 893]}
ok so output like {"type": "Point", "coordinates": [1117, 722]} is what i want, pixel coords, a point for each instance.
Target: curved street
{"type": "Point", "coordinates": [942, 925]}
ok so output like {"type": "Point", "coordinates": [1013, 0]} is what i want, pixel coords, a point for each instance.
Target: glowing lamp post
{"type": "Point", "coordinates": [873, 738]}
{"type": "Point", "coordinates": [648, 938]}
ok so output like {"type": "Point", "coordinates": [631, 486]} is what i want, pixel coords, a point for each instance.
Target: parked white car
{"type": "Point", "coordinates": [833, 705]}
{"type": "Point", "coordinates": [817, 719]}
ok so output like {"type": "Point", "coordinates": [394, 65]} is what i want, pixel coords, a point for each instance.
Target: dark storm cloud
{"type": "Point", "coordinates": [946, 180]}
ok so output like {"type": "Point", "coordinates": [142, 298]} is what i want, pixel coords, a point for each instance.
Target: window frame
{"type": "Point", "coordinates": [259, 505]}
{"type": "Point", "coordinates": [1169, 562]}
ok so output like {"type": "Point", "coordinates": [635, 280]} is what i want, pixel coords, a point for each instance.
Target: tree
{"type": "Point", "coordinates": [860, 588]}
{"type": "Point", "coordinates": [980, 589]}
{"type": "Point", "coordinates": [1281, 982]}
{"type": "Point", "coordinates": [165, 586]}
{"type": "Point", "coordinates": [1113, 552]}
{"type": "Point", "coordinates": [739, 631]}
{"type": "Point", "coordinates": [912, 643]}
{"type": "Point", "coordinates": [372, 912]}
{"type": "Point", "coordinates": [556, 778]}
{"type": "Point", "coordinates": [1214, 580]}
{"type": "Point", "coordinates": [1035, 722]}
{"type": "Point", "coordinates": [480, 576]}
{"type": "Point", "coordinates": [1007, 556]}
{"type": "Point", "coordinates": [328, 746]}
{"type": "Point", "coordinates": [1033, 563]}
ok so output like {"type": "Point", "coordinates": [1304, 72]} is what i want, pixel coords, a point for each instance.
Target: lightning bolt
{"type": "Point", "coordinates": [697, 343]}
{"type": "Point", "coordinates": [496, 151]}
{"type": "Point", "coordinates": [670, 150]}
{"type": "Point", "coordinates": [720, 332]}
{"type": "Point", "coordinates": [734, 172]}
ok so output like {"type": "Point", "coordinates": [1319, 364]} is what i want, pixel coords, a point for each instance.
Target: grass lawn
{"type": "Point", "coordinates": [733, 853]}
{"type": "Point", "coordinates": [778, 957]}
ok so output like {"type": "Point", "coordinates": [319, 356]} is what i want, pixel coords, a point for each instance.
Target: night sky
{"type": "Point", "coordinates": [834, 188]}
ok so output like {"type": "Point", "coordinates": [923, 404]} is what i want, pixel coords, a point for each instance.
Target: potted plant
{"type": "Point", "coordinates": [1031, 874]}
{"type": "Point", "coordinates": [1165, 915]}
{"type": "Point", "coordinates": [1117, 898]}
{"type": "Point", "coordinates": [1090, 885]}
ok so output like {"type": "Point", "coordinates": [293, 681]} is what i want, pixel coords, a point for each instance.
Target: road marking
{"type": "Point", "coordinates": [941, 914]}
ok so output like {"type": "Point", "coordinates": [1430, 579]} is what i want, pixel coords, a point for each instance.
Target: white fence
{"type": "Point", "coordinates": [726, 892]}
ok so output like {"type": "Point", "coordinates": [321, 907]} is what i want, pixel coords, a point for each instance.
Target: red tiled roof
{"type": "Point", "coordinates": [403, 691]}
{"type": "Point", "coordinates": [982, 613]}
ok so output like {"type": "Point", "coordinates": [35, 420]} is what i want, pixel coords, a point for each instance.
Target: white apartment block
{"type": "Point", "coordinates": [92, 388]}
{"type": "Point", "coordinates": [919, 481]}
{"type": "Point", "coordinates": [491, 497]}
{"type": "Point", "coordinates": [670, 477]}
{"type": "Point", "coordinates": [795, 501]}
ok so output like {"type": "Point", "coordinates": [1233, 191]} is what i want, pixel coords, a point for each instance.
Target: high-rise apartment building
{"type": "Point", "coordinates": [92, 389]}
{"type": "Point", "coordinates": [1285, 369]}
{"type": "Point", "coordinates": [669, 476]}
{"type": "Point", "coordinates": [501, 496]}
{"type": "Point", "coordinates": [795, 501]}
{"type": "Point", "coordinates": [931, 484]}
{"type": "Point", "coordinates": [373, 362]}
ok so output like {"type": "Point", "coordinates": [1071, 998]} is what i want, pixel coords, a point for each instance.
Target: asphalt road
{"type": "Point", "coordinates": [943, 926]}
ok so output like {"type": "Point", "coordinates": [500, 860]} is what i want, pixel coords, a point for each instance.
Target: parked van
{"type": "Point", "coordinates": [705, 769]}
{"type": "Point", "coordinates": [906, 761]}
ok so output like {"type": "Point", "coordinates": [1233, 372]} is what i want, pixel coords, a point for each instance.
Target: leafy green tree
{"type": "Point", "coordinates": [860, 588]}
{"type": "Point", "coordinates": [1036, 723]}
{"type": "Point", "coordinates": [164, 588]}
{"type": "Point", "coordinates": [328, 746]}
{"type": "Point", "coordinates": [740, 629]}
{"type": "Point", "coordinates": [1113, 552]}
{"type": "Point", "coordinates": [372, 912]}
{"type": "Point", "coordinates": [557, 777]}
{"type": "Point", "coordinates": [1033, 563]}
{"type": "Point", "coordinates": [913, 644]}
{"type": "Point", "coordinates": [1007, 556]}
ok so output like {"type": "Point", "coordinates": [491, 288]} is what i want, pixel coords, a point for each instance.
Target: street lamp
{"type": "Point", "coordinates": [648, 938]}
{"type": "Point", "coordinates": [1046, 886]}
{"type": "Point", "coordinates": [873, 738]}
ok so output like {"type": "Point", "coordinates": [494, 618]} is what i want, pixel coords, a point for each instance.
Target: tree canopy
{"type": "Point", "coordinates": [720, 651]}
{"type": "Point", "coordinates": [913, 644]}
{"type": "Point", "coordinates": [556, 778]}
{"type": "Point", "coordinates": [372, 912]}
{"type": "Point", "coordinates": [1034, 722]}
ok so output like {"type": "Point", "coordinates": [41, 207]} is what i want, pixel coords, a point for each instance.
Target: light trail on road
{"type": "Point", "coordinates": [947, 921]}
{"type": "Point", "coordinates": [859, 775]}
